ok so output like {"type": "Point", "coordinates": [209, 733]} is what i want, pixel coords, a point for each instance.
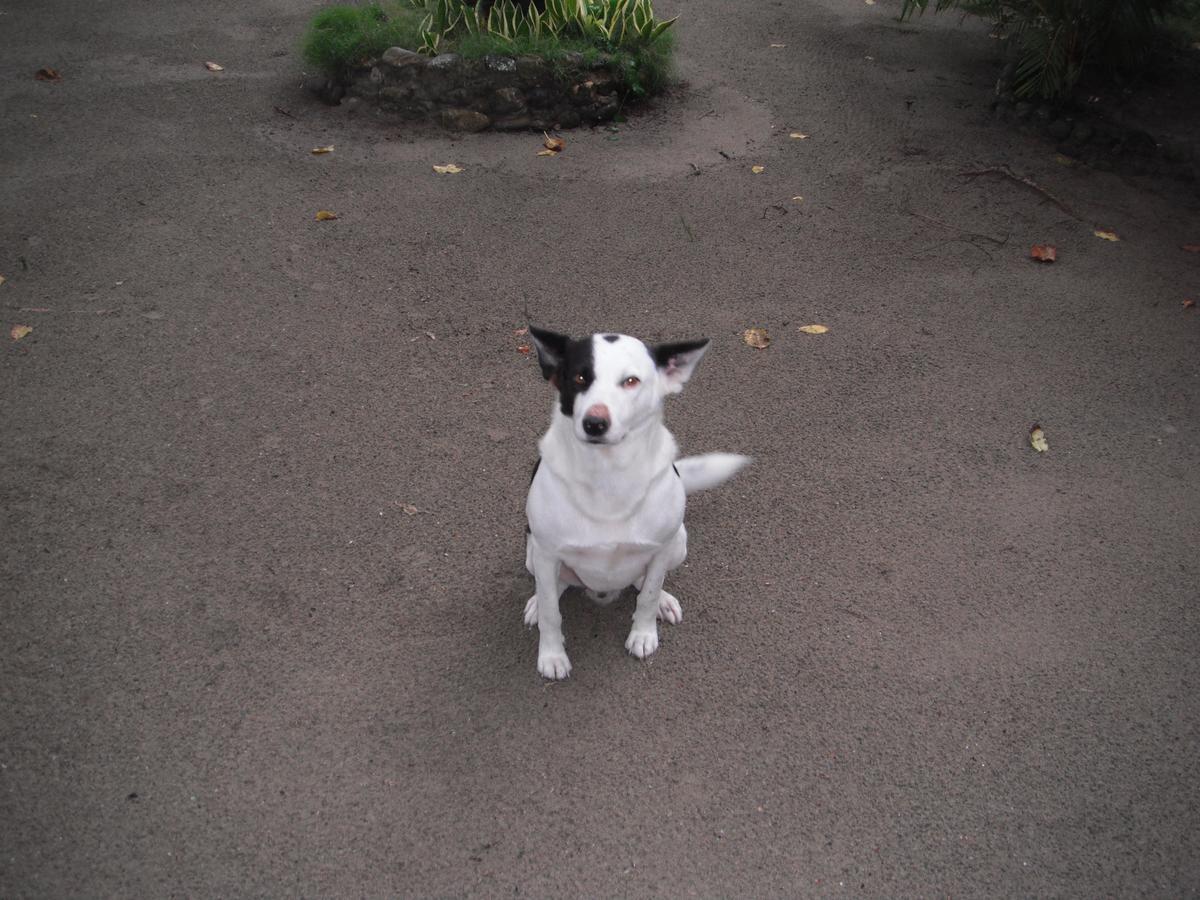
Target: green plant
{"type": "Point", "coordinates": [341, 37]}
{"type": "Point", "coordinates": [1057, 39]}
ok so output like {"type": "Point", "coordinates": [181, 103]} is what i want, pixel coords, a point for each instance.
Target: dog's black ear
{"type": "Point", "coordinates": [551, 348]}
{"type": "Point", "coordinates": [676, 362]}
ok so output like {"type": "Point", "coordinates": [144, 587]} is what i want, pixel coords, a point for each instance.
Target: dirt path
{"type": "Point", "coordinates": [918, 658]}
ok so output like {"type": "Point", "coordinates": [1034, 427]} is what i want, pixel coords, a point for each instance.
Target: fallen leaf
{"type": "Point", "coordinates": [756, 337]}
{"type": "Point", "coordinates": [1106, 235]}
{"type": "Point", "coordinates": [778, 46]}
{"type": "Point", "coordinates": [813, 329]}
{"type": "Point", "coordinates": [547, 153]}
{"type": "Point", "coordinates": [798, 136]}
{"type": "Point", "coordinates": [1063, 160]}
{"type": "Point", "coordinates": [1189, 304]}
{"type": "Point", "coordinates": [2, 279]}
{"type": "Point", "coordinates": [522, 330]}
{"type": "Point", "coordinates": [409, 509]}
{"type": "Point", "coordinates": [798, 198]}
{"type": "Point", "coordinates": [870, 2]}
{"type": "Point", "coordinates": [448, 169]}
{"type": "Point", "coordinates": [757, 170]}
{"type": "Point", "coordinates": [1191, 248]}
{"type": "Point", "coordinates": [214, 67]}
{"type": "Point", "coordinates": [324, 215]}
{"type": "Point", "coordinates": [317, 151]}
{"type": "Point", "coordinates": [553, 144]}
{"type": "Point", "coordinates": [431, 335]}
{"type": "Point", "coordinates": [1037, 439]}
{"type": "Point", "coordinates": [19, 331]}
{"type": "Point", "coordinates": [524, 348]}
{"type": "Point", "coordinates": [47, 74]}
{"type": "Point", "coordinates": [1044, 252]}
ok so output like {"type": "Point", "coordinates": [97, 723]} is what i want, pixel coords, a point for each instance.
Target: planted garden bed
{"type": "Point", "coordinates": [556, 65]}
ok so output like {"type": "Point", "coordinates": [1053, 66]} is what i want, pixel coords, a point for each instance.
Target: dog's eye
{"type": "Point", "coordinates": [580, 380]}
{"type": "Point", "coordinates": [631, 382]}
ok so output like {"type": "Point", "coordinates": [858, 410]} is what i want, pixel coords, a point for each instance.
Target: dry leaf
{"type": "Point", "coordinates": [409, 509]}
{"type": "Point", "coordinates": [778, 46]}
{"type": "Point", "coordinates": [214, 67]}
{"type": "Point", "coordinates": [524, 348]}
{"type": "Point", "coordinates": [19, 331]}
{"type": "Point", "coordinates": [813, 329]}
{"type": "Point", "coordinates": [47, 74]}
{"type": "Point", "coordinates": [522, 330]}
{"type": "Point", "coordinates": [1189, 304]}
{"type": "Point", "coordinates": [756, 337]}
{"type": "Point", "coordinates": [547, 153]}
{"type": "Point", "coordinates": [1044, 252]}
{"type": "Point", "coordinates": [1190, 248]}
{"type": "Point", "coordinates": [448, 169]}
{"type": "Point", "coordinates": [324, 215]}
{"type": "Point", "coordinates": [317, 151]}
{"type": "Point", "coordinates": [1, 279]}
{"type": "Point", "coordinates": [798, 198]}
{"type": "Point", "coordinates": [553, 144]}
{"type": "Point", "coordinates": [757, 170]}
{"type": "Point", "coordinates": [1037, 439]}
{"type": "Point", "coordinates": [1063, 160]}
{"type": "Point", "coordinates": [1106, 235]}
{"type": "Point", "coordinates": [798, 136]}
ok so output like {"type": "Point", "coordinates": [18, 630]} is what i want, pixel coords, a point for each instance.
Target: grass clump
{"type": "Point", "coordinates": [623, 33]}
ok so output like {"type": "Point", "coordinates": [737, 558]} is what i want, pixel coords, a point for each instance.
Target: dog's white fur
{"type": "Point", "coordinates": [608, 513]}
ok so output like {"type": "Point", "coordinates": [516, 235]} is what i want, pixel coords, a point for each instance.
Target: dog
{"type": "Point", "coordinates": [606, 501]}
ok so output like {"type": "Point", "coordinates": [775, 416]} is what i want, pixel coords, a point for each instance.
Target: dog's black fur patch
{"type": "Point", "coordinates": [612, 338]}
{"type": "Point", "coordinates": [664, 352]}
{"type": "Point", "coordinates": [562, 359]}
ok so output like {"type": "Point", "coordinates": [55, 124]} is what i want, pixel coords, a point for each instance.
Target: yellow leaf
{"type": "Point", "coordinates": [1, 279]}
{"type": "Point", "coordinates": [19, 331]}
{"type": "Point", "coordinates": [547, 153]}
{"type": "Point", "coordinates": [1106, 235]}
{"type": "Point", "coordinates": [324, 215]}
{"type": "Point", "coordinates": [757, 170]}
{"type": "Point", "coordinates": [798, 136]}
{"type": "Point", "coordinates": [756, 337]}
{"type": "Point", "coordinates": [813, 329]}
{"type": "Point", "coordinates": [798, 198]}
{"type": "Point", "coordinates": [448, 169]}
{"type": "Point", "coordinates": [214, 67]}
{"type": "Point", "coordinates": [1037, 439]}
{"type": "Point", "coordinates": [778, 46]}
{"type": "Point", "coordinates": [554, 145]}
{"type": "Point", "coordinates": [317, 151]}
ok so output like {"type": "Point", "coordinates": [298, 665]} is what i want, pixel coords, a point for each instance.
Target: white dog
{"type": "Point", "coordinates": [606, 502]}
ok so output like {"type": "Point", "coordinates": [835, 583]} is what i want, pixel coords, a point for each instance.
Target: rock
{"type": "Point", "coordinates": [396, 93]}
{"type": "Point", "coordinates": [398, 58]}
{"type": "Point", "coordinates": [444, 61]}
{"type": "Point", "coordinates": [513, 123]}
{"type": "Point", "coordinates": [1081, 133]}
{"type": "Point", "coordinates": [315, 84]}
{"type": "Point", "coordinates": [463, 120]}
{"type": "Point", "coordinates": [568, 118]}
{"type": "Point", "coordinates": [1059, 129]}
{"type": "Point", "coordinates": [352, 104]}
{"type": "Point", "coordinates": [500, 64]}
{"type": "Point", "coordinates": [506, 100]}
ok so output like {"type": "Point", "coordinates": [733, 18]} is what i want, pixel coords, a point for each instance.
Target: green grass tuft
{"type": "Point", "coordinates": [342, 37]}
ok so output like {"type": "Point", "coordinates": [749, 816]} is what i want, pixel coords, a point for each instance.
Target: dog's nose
{"type": "Point", "coordinates": [594, 426]}
{"type": "Point", "coordinates": [595, 420]}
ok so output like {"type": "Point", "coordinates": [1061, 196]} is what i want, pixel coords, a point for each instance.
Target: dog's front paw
{"type": "Point", "coordinates": [642, 643]}
{"type": "Point", "coordinates": [553, 665]}
{"type": "Point", "coordinates": [531, 611]}
{"type": "Point", "coordinates": [669, 609]}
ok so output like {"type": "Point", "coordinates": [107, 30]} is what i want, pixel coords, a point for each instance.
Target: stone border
{"type": "Point", "coordinates": [501, 92]}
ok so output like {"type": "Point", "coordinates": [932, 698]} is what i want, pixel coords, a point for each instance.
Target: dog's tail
{"type": "Point", "coordinates": [699, 473]}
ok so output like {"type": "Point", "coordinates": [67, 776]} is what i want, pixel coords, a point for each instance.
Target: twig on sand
{"type": "Point", "coordinates": [986, 237]}
{"type": "Point", "coordinates": [1028, 182]}
{"type": "Point", "coordinates": [687, 228]}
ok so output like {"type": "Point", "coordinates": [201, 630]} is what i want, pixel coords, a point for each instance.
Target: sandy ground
{"type": "Point", "coordinates": [918, 658]}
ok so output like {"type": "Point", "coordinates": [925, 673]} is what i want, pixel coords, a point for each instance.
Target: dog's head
{"type": "Point", "coordinates": [611, 384]}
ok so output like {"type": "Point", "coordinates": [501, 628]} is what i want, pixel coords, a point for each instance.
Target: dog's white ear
{"type": "Point", "coordinates": [551, 347]}
{"type": "Point", "coordinates": [676, 362]}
